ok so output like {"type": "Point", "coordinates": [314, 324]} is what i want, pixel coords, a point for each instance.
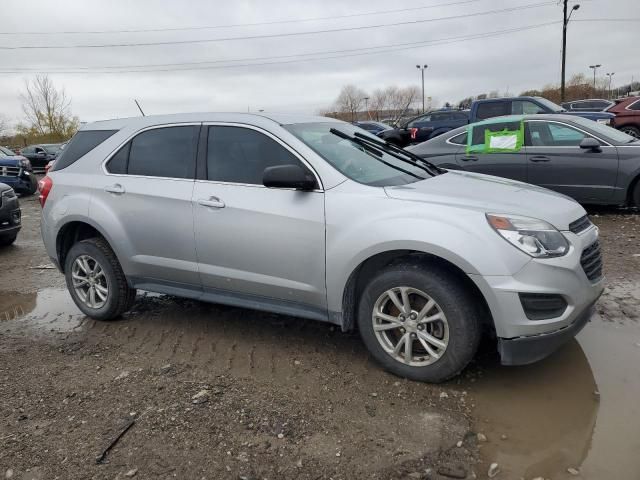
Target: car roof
{"type": "Point", "coordinates": [261, 119]}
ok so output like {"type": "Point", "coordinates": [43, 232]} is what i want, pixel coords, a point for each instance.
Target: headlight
{"type": "Point", "coordinates": [534, 237]}
{"type": "Point", "coordinates": [25, 163]}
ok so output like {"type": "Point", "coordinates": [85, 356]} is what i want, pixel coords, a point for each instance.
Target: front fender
{"type": "Point", "coordinates": [356, 232]}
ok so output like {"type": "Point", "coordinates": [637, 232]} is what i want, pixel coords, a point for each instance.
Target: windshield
{"type": "Point", "coordinates": [51, 147]}
{"type": "Point", "coordinates": [352, 159]}
{"type": "Point", "coordinates": [609, 133]}
{"type": "Point", "coordinates": [554, 107]}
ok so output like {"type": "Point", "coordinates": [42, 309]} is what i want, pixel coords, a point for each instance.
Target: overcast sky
{"type": "Point", "coordinates": [515, 61]}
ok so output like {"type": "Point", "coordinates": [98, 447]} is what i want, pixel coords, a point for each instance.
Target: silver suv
{"type": "Point", "coordinates": [316, 218]}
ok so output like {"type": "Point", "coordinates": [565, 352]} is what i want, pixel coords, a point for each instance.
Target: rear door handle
{"type": "Point", "coordinates": [540, 158]}
{"type": "Point", "coordinates": [117, 188]}
{"type": "Point", "coordinates": [469, 158]}
{"type": "Point", "coordinates": [213, 202]}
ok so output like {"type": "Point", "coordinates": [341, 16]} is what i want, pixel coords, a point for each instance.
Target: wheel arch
{"type": "Point", "coordinates": [74, 231]}
{"type": "Point", "coordinates": [358, 280]}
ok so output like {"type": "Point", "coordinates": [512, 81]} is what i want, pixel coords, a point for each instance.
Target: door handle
{"type": "Point", "coordinates": [117, 188]}
{"type": "Point", "coordinates": [469, 158]}
{"type": "Point", "coordinates": [540, 158]}
{"type": "Point", "coordinates": [213, 202]}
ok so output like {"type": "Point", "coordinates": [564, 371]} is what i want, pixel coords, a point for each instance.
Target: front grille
{"type": "Point", "coordinates": [591, 261]}
{"type": "Point", "coordinates": [9, 171]}
{"type": "Point", "coordinates": [580, 225]}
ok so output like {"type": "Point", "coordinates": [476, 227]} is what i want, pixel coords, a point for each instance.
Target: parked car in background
{"type": "Point", "coordinates": [16, 171]}
{"type": "Point", "coordinates": [41, 154]}
{"type": "Point", "coordinates": [426, 126]}
{"type": "Point", "coordinates": [585, 160]}
{"type": "Point", "coordinates": [587, 105]}
{"type": "Point", "coordinates": [10, 215]}
{"type": "Point", "coordinates": [314, 217]}
{"type": "Point", "coordinates": [373, 127]}
{"type": "Point", "coordinates": [498, 107]}
{"type": "Point", "coordinates": [627, 111]}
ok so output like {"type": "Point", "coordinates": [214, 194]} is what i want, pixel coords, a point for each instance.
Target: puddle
{"type": "Point", "coordinates": [578, 409]}
{"type": "Point", "coordinates": [50, 310]}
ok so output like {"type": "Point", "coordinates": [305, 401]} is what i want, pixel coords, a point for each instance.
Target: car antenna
{"type": "Point", "coordinates": [139, 107]}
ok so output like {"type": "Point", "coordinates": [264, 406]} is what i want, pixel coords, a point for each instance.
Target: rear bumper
{"type": "Point", "coordinates": [525, 350]}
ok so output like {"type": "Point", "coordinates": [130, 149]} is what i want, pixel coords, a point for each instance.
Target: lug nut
{"type": "Point", "coordinates": [413, 316]}
{"type": "Point", "coordinates": [401, 318]}
{"type": "Point", "coordinates": [413, 335]}
{"type": "Point", "coordinates": [402, 330]}
{"type": "Point", "coordinates": [420, 327]}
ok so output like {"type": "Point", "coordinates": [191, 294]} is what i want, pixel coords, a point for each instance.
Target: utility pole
{"type": "Point", "coordinates": [565, 22]}
{"type": "Point", "coordinates": [422, 69]}
{"type": "Point", "coordinates": [366, 107]}
{"type": "Point", "coordinates": [594, 67]}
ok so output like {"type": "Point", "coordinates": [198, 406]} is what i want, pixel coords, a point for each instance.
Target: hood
{"type": "Point", "coordinates": [11, 160]}
{"type": "Point", "coordinates": [489, 194]}
{"type": "Point", "coordinates": [590, 114]}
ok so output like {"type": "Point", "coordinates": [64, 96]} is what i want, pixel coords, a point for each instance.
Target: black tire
{"type": "Point", "coordinates": [630, 130]}
{"type": "Point", "coordinates": [6, 241]}
{"type": "Point", "coordinates": [452, 297]}
{"type": "Point", "coordinates": [33, 188]}
{"type": "Point", "coordinates": [120, 296]}
{"type": "Point", "coordinates": [635, 195]}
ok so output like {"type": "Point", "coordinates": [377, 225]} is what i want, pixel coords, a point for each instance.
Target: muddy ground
{"type": "Point", "coordinates": [284, 398]}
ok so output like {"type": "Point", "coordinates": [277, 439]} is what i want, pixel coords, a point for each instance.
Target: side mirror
{"type": "Point", "coordinates": [288, 176]}
{"type": "Point", "coordinates": [589, 143]}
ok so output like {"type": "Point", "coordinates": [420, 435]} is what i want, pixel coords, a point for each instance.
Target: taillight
{"type": "Point", "coordinates": [44, 188]}
{"type": "Point", "coordinates": [413, 132]}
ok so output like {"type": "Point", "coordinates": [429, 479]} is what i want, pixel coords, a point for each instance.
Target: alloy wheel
{"type": "Point", "coordinates": [89, 281]}
{"type": "Point", "coordinates": [410, 326]}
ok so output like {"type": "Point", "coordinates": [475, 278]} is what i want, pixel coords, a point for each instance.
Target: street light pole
{"type": "Point", "coordinates": [594, 67]}
{"type": "Point", "coordinates": [610, 75]}
{"type": "Point", "coordinates": [565, 22]}
{"type": "Point", "coordinates": [422, 69]}
{"type": "Point", "coordinates": [366, 107]}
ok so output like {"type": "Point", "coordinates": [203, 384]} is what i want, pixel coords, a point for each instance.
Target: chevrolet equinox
{"type": "Point", "coordinates": [316, 218]}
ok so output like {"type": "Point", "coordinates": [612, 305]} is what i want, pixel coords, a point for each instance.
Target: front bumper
{"type": "Point", "coordinates": [525, 350]}
{"type": "Point", "coordinates": [22, 182]}
{"type": "Point", "coordinates": [10, 221]}
{"type": "Point", "coordinates": [525, 340]}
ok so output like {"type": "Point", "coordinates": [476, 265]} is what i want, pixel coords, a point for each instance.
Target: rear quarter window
{"type": "Point", "coordinates": [82, 143]}
{"type": "Point", "coordinates": [492, 109]}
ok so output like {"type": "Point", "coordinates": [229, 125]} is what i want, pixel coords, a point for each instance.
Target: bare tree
{"type": "Point", "coordinates": [4, 125]}
{"type": "Point", "coordinates": [47, 110]}
{"type": "Point", "coordinates": [350, 100]}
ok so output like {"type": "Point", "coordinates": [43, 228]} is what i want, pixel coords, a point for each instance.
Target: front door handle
{"type": "Point", "coordinates": [213, 202]}
{"type": "Point", "coordinates": [469, 158]}
{"type": "Point", "coordinates": [539, 158]}
{"type": "Point", "coordinates": [117, 188]}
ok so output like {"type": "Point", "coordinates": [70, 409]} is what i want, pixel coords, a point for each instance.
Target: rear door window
{"type": "Point", "coordinates": [526, 107]}
{"type": "Point", "coordinates": [550, 134]}
{"type": "Point", "coordinates": [82, 143]}
{"type": "Point", "coordinates": [492, 109]}
{"type": "Point", "coordinates": [168, 152]}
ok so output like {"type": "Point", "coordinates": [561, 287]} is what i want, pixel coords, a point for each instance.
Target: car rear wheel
{"type": "Point", "coordinates": [419, 322]}
{"type": "Point", "coordinates": [96, 281]}
{"type": "Point", "coordinates": [633, 131]}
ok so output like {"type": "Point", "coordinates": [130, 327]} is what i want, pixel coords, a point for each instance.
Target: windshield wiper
{"type": "Point", "coordinates": [396, 151]}
{"type": "Point", "coordinates": [374, 151]}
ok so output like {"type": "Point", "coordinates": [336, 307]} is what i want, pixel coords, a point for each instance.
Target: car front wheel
{"type": "Point", "coordinates": [419, 322]}
{"type": "Point", "coordinates": [96, 281]}
{"type": "Point", "coordinates": [633, 131]}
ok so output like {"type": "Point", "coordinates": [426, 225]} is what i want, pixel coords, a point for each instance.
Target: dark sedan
{"type": "Point", "coordinates": [372, 127]}
{"type": "Point", "coordinates": [591, 162]}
